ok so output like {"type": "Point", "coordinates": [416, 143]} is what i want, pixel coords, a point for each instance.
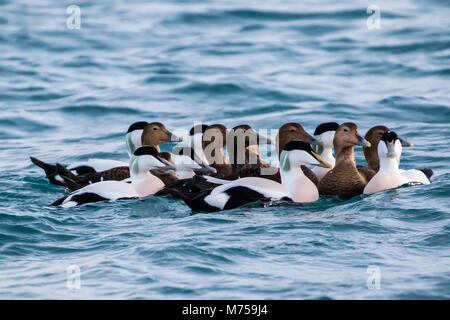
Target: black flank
{"type": "Point", "coordinates": [242, 195]}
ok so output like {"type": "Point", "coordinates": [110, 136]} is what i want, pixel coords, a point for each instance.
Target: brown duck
{"type": "Point", "coordinates": [344, 180]}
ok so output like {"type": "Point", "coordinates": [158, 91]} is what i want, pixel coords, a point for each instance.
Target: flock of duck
{"type": "Point", "coordinates": [198, 172]}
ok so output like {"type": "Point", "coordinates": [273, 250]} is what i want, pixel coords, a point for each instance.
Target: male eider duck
{"type": "Point", "coordinates": [143, 183]}
{"type": "Point", "coordinates": [371, 153]}
{"type": "Point", "coordinates": [389, 176]}
{"type": "Point", "coordinates": [324, 134]}
{"type": "Point", "coordinates": [295, 185]}
{"type": "Point", "coordinates": [344, 180]}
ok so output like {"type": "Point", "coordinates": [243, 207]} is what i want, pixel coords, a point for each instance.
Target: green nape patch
{"type": "Point", "coordinates": [285, 164]}
{"type": "Point", "coordinates": [130, 145]}
{"type": "Point", "coordinates": [134, 165]}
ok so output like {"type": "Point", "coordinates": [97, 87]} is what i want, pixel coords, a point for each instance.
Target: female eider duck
{"type": "Point", "coordinates": [344, 180]}
{"type": "Point", "coordinates": [324, 134]}
{"type": "Point", "coordinates": [243, 152]}
{"type": "Point", "coordinates": [143, 183]}
{"type": "Point", "coordinates": [295, 185]}
{"type": "Point", "coordinates": [389, 176]}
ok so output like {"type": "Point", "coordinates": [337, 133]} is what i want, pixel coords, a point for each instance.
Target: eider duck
{"type": "Point", "coordinates": [243, 153]}
{"type": "Point", "coordinates": [389, 175]}
{"type": "Point", "coordinates": [371, 153]}
{"type": "Point", "coordinates": [324, 134]}
{"type": "Point", "coordinates": [139, 134]}
{"type": "Point", "coordinates": [143, 183]}
{"type": "Point", "coordinates": [344, 180]}
{"type": "Point", "coordinates": [93, 165]}
{"type": "Point", "coordinates": [295, 185]}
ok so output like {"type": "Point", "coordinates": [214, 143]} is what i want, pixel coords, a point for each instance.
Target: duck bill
{"type": "Point", "coordinates": [322, 163]}
{"type": "Point", "coordinates": [391, 150]}
{"type": "Point", "coordinates": [405, 143]}
{"type": "Point", "coordinates": [167, 165]}
{"type": "Point", "coordinates": [362, 142]}
{"type": "Point", "coordinates": [175, 138]}
{"type": "Point", "coordinates": [313, 141]}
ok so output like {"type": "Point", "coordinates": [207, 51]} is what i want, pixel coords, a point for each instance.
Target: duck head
{"type": "Point", "coordinates": [292, 131]}
{"type": "Point", "coordinates": [390, 146]}
{"type": "Point", "coordinates": [297, 153]}
{"type": "Point", "coordinates": [156, 133]}
{"type": "Point", "coordinates": [242, 144]}
{"type": "Point", "coordinates": [347, 136]}
{"type": "Point", "coordinates": [324, 134]}
{"type": "Point", "coordinates": [213, 141]}
{"type": "Point", "coordinates": [374, 136]}
{"type": "Point", "coordinates": [192, 160]}
{"type": "Point", "coordinates": [147, 158]}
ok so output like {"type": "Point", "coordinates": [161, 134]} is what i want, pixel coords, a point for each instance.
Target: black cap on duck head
{"type": "Point", "coordinates": [200, 128]}
{"type": "Point", "coordinates": [389, 136]}
{"type": "Point", "coordinates": [146, 150]}
{"type": "Point", "coordinates": [324, 127]}
{"type": "Point", "coordinates": [140, 125]}
{"type": "Point", "coordinates": [298, 145]}
{"type": "Point", "coordinates": [301, 146]}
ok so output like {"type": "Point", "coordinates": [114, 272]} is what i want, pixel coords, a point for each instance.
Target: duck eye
{"type": "Point", "coordinates": [292, 130]}
{"type": "Point", "coordinates": [345, 130]}
{"type": "Point", "coordinates": [155, 128]}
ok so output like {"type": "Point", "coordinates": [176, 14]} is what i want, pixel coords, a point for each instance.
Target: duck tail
{"type": "Point", "coordinates": [49, 169]}
{"type": "Point", "coordinates": [59, 202]}
{"type": "Point", "coordinates": [70, 180]}
{"type": "Point", "coordinates": [428, 172]}
{"type": "Point", "coordinates": [198, 202]}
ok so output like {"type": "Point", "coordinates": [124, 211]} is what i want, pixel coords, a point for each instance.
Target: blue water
{"type": "Point", "coordinates": [68, 95]}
